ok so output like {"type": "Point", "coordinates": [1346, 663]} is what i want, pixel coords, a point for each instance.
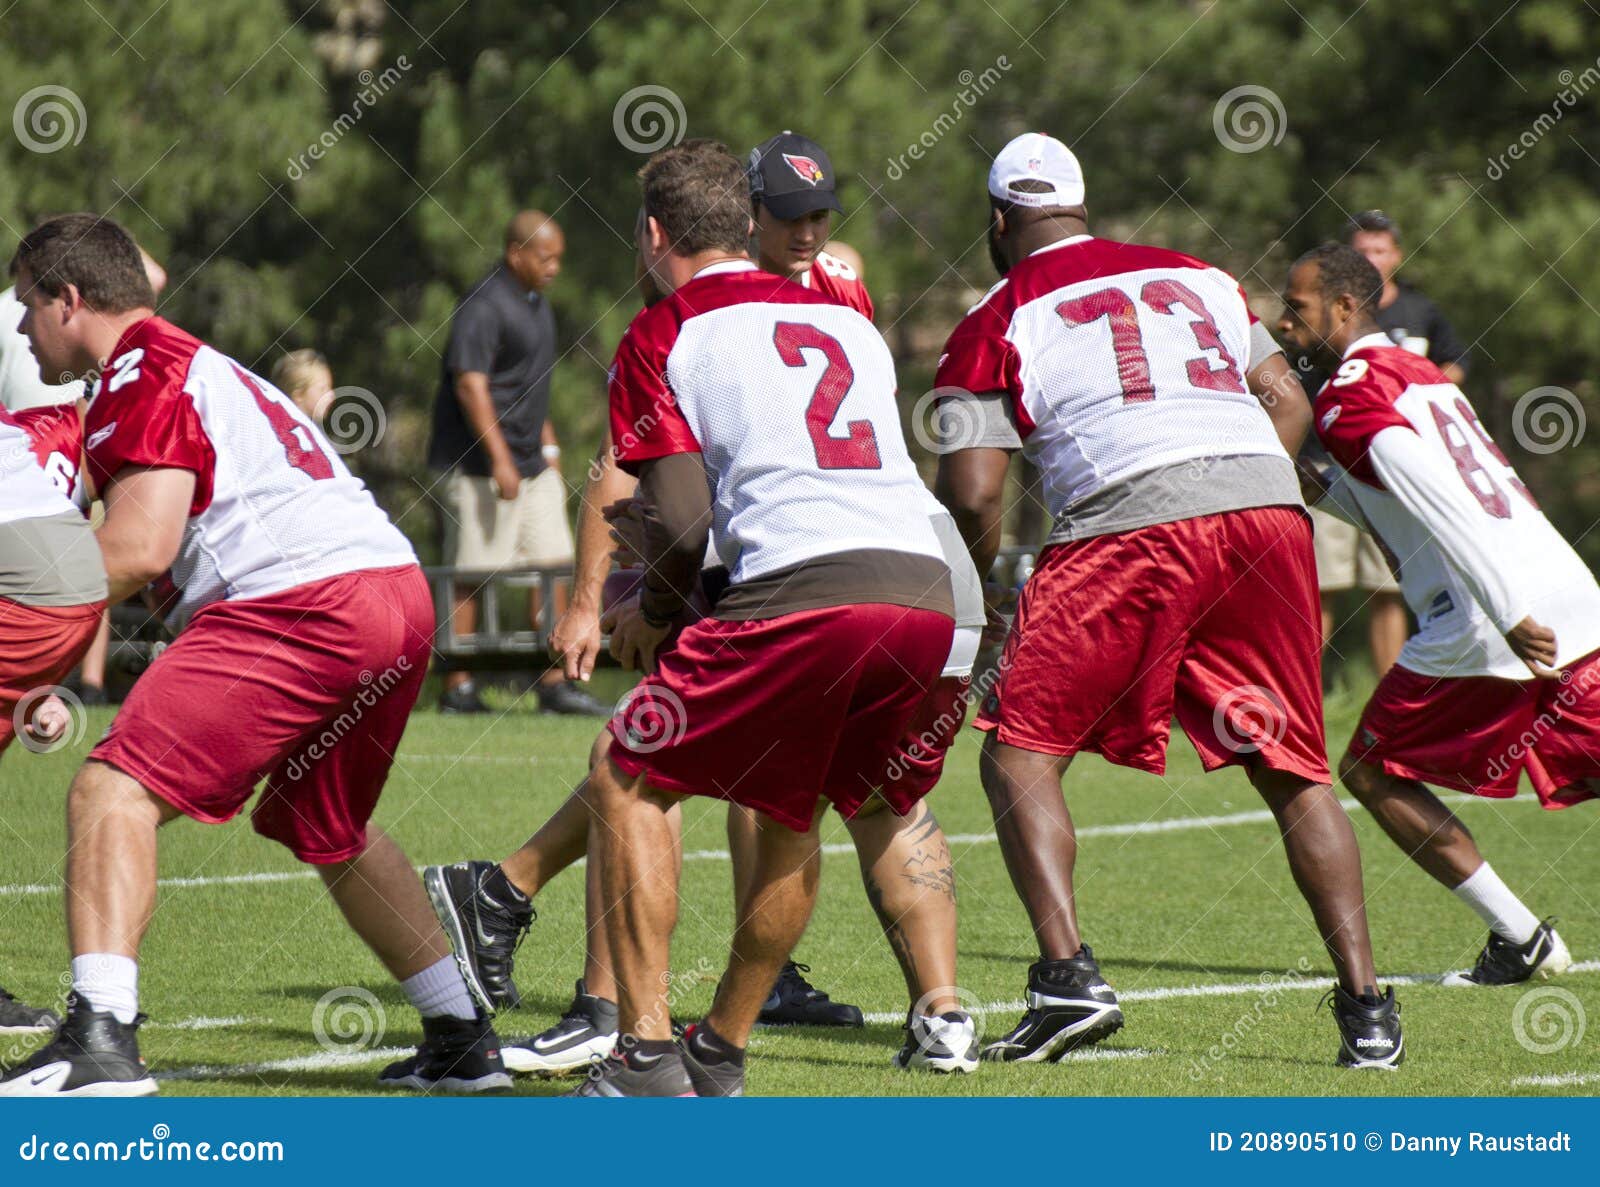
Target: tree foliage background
{"type": "Point", "coordinates": [433, 121]}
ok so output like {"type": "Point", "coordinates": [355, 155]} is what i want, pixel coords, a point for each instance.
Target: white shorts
{"type": "Point", "coordinates": [484, 531]}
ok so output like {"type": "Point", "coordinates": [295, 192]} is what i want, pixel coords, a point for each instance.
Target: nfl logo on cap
{"type": "Point", "coordinates": [1035, 157]}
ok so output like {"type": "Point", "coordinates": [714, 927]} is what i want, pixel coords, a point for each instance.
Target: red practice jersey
{"type": "Point", "coordinates": [57, 434]}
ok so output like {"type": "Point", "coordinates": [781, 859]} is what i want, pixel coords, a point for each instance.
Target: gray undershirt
{"type": "Point", "coordinates": [51, 560]}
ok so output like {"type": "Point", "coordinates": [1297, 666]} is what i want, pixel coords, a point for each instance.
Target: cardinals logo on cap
{"type": "Point", "coordinates": [805, 168]}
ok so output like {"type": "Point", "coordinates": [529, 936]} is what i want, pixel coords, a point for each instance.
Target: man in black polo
{"type": "Point", "coordinates": [503, 495]}
{"type": "Point", "coordinates": [1346, 557]}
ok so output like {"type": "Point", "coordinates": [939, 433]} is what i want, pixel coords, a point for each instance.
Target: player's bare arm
{"type": "Point", "coordinates": [971, 483]}
{"type": "Point", "coordinates": [477, 405]}
{"type": "Point", "coordinates": [576, 639]}
{"type": "Point", "coordinates": [1275, 384]}
{"type": "Point", "coordinates": [146, 510]}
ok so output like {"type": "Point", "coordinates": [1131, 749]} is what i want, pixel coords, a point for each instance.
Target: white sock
{"type": "Point", "coordinates": [1497, 906]}
{"type": "Point", "coordinates": [107, 982]}
{"type": "Point", "coordinates": [439, 990]}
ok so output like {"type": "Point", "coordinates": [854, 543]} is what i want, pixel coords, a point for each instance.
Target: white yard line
{"type": "Point", "coordinates": [1138, 828]}
{"type": "Point", "coordinates": [1565, 1080]}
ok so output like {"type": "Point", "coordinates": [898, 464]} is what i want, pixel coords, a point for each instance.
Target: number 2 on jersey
{"type": "Point", "coordinates": [1133, 364]}
{"type": "Point", "coordinates": [859, 450]}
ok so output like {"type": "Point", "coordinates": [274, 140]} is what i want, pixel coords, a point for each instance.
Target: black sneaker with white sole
{"type": "Point", "coordinates": [92, 1055]}
{"type": "Point", "coordinates": [456, 1056]}
{"type": "Point", "coordinates": [1369, 1030]}
{"type": "Point", "coordinates": [637, 1074]}
{"type": "Point", "coordinates": [794, 1001]}
{"type": "Point", "coordinates": [484, 930]}
{"type": "Point", "coordinates": [943, 1043]}
{"type": "Point", "coordinates": [1505, 963]}
{"type": "Point", "coordinates": [585, 1035]}
{"type": "Point", "coordinates": [710, 1075]}
{"type": "Point", "coordinates": [18, 1018]}
{"type": "Point", "coordinates": [1069, 1006]}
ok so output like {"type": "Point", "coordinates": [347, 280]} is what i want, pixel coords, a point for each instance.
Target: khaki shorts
{"type": "Point", "coordinates": [484, 531]}
{"type": "Point", "coordinates": [1348, 558]}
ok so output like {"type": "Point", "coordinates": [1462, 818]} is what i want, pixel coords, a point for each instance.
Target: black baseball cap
{"type": "Point", "coordinates": [792, 176]}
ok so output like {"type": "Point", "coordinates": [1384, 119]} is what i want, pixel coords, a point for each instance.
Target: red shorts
{"type": "Point", "coordinates": [930, 734]}
{"type": "Point", "coordinates": [309, 688]}
{"type": "Point", "coordinates": [775, 713]}
{"type": "Point", "coordinates": [39, 645]}
{"type": "Point", "coordinates": [1215, 620]}
{"type": "Point", "coordinates": [1479, 733]}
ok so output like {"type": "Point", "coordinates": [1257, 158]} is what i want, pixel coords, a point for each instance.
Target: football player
{"type": "Point", "coordinates": [487, 908]}
{"type": "Point", "coordinates": [1178, 579]}
{"type": "Point", "coordinates": [760, 417]}
{"type": "Point", "coordinates": [1502, 676]}
{"type": "Point", "coordinates": [291, 589]}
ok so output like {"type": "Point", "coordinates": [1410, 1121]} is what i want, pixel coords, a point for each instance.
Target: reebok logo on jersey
{"type": "Point", "coordinates": [804, 168]}
{"type": "Point", "coordinates": [100, 435]}
{"type": "Point", "coordinates": [1330, 416]}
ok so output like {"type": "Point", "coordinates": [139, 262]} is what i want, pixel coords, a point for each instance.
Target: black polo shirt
{"type": "Point", "coordinates": [1414, 321]}
{"type": "Point", "coordinates": [509, 335]}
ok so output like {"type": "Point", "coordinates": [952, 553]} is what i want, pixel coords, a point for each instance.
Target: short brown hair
{"type": "Point", "coordinates": [700, 195]}
{"type": "Point", "coordinates": [1342, 271]}
{"type": "Point", "coordinates": [91, 253]}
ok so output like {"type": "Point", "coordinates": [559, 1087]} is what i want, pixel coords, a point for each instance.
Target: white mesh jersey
{"type": "Point", "coordinates": [1118, 359]}
{"type": "Point", "coordinates": [26, 490]}
{"type": "Point", "coordinates": [791, 402]}
{"type": "Point", "coordinates": [274, 505]}
{"type": "Point", "coordinates": [1474, 553]}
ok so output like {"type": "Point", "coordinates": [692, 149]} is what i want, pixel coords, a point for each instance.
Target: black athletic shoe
{"type": "Point", "coordinates": [463, 698]}
{"type": "Point", "coordinates": [945, 1043]}
{"type": "Point", "coordinates": [1503, 963]}
{"type": "Point", "coordinates": [584, 1036]}
{"type": "Point", "coordinates": [570, 699]}
{"type": "Point", "coordinates": [794, 1001]}
{"type": "Point", "coordinates": [455, 1056]}
{"type": "Point", "coordinates": [1069, 1006]}
{"type": "Point", "coordinates": [638, 1075]}
{"type": "Point", "coordinates": [484, 931]}
{"type": "Point", "coordinates": [19, 1019]}
{"type": "Point", "coordinates": [1369, 1031]}
{"type": "Point", "coordinates": [710, 1078]}
{"type": "Point", "coordinates": [92, 1055]}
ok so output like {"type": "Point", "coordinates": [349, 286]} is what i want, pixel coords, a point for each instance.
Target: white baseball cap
{"type": "Point", "coordinates": [1037, 157]}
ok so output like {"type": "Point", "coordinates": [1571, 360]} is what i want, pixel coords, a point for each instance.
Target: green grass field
{"type": "Point", "coordinates": [233, 971]}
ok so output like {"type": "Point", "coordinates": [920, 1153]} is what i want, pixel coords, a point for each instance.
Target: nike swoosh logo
{"type": "Point", "coordinates": [486, 940]}
{"type": "Point", "coordinates": [1536, 955]}
{"type": "Point", "coordinates": [41, 1077]}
